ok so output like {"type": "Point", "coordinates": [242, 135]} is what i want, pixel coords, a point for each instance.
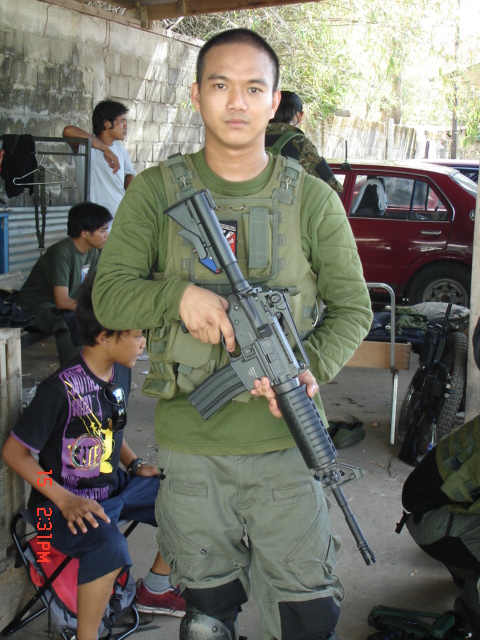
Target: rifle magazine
{"type": "Point", "coordinates": [218, 389]}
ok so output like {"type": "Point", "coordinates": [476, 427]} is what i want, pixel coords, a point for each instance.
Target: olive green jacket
{"type": "Point", "coordinates": [125, 297]}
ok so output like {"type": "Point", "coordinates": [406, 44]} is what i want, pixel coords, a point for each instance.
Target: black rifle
{"type": "Point", "coordinates": [430, 383]}
{"type": "Point", "coordinates": [264, 351]}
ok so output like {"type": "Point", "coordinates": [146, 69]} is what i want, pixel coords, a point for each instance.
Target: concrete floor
{"type": "Point", "coordinates": [403, 575]}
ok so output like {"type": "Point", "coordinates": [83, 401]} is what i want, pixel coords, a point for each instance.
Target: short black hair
{"type": "Point", "coordinates": [87, 216]}
{"type": "Point", "coordinates": [89, 328]}
{"type": "Point", "coordinates": [239, 36]}
{"type": "Point", "coordinates": [106, 110]}
{"type": "Point", "coordinates": [290, 105]}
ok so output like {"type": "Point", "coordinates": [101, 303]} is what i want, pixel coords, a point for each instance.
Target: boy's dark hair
{"type": "Point", "coordinates": [290, 105]}
{"type": "Point", "coordinates": [87, 216]}
{"type": "Point", "coordinates": [89, 328]}
{"type": "Point", "coordinates": [239, 36]}
{"type": "Point", "coordinates": [106, 110]}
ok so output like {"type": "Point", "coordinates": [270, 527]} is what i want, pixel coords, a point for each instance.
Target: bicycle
{"type": "Point", "coordinates": [436, 391]}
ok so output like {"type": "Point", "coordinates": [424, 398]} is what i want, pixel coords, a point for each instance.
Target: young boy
{"type": "Point", "coordinates": [51, 288]}
{"type": "Point", "coordinates": [111, 169]}
{"type": "Point", "coordinates": [75, 424]}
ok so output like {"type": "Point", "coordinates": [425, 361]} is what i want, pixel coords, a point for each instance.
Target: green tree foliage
{"type": "Point", "coordinates": [375, 58]}
{"type": "Point", "coordinates": [315, 58]}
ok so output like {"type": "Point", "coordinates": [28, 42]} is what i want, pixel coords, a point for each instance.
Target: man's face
{"type": "Point", "coordinates": [119, 129]}
{"type": "Point", "coordinates": [236, 98]}
{"type": "Point", "coordinates": [96, 239]}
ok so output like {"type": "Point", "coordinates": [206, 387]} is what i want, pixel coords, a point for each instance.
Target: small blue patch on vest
{"type": "Point", "coordinates": [230, 232]}
{"type": "Point", "coordinates": [210, 264]}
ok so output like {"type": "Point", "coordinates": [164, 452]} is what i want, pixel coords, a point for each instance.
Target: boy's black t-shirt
{"type": "Point", "coordinates": [68, 425]}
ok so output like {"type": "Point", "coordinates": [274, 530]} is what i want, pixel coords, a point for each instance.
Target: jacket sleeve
{"type": "Point", "coordinates": [124, 295]}
{"type": "Point", "coordinates": [328, 243]}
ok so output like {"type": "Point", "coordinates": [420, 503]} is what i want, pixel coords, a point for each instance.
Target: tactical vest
{"type": "Point", "coordinates": [268, 250]}
{"type": "Point", "coordinates": [458, 461]}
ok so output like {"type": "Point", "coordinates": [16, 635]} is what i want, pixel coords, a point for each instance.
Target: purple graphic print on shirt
{"type": "Point", "coordinates": [87, 439]}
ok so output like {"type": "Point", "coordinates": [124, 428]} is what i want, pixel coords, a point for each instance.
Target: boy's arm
{"type": "Point", "coordinates": [75, 509]}
{"type": "Point", "coordinates": [127, 456]}
{"type": "Point", "coordinates": [75, 132]}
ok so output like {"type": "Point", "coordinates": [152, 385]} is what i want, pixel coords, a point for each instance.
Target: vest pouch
{"type": "Point", "coordinates": [195, 360]}
{"type": "Point", "coordinates": [160, 382]}
{"type": "Point", "coordinates": [260, 229]}
{"type": "Point", "coordinates": [304, 315]}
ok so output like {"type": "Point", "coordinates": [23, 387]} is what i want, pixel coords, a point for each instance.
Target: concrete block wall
{"type": "Point", "coordinates": [57, 63]}
{"type": "Point", "coordinates": [365, 139]}
{"type": "Point", "coordinates": [370, 140]}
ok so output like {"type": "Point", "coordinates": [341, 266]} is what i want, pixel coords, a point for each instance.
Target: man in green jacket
{"type": "Point", "coordinates": [237, 506]}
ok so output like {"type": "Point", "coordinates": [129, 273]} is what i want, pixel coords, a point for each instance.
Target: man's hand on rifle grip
{"type": "Point", "coordinates": [264, 388]}
{"type": "Point", "coordinates": [204, 314]}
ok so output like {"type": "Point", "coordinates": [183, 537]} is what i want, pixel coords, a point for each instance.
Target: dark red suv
{"type": "Point", "coordinates": [413, 223]}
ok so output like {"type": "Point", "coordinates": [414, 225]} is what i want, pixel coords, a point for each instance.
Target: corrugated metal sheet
{"type": "Point", "coordinates": [23, 243]}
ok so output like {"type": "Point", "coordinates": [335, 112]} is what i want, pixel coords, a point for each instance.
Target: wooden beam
{"type": "Point", "coordinates": [144, 17]}
{"type": "Point", "coordinates": [145, 11]}
{"type": "Point", "coordinates": [159, 10]}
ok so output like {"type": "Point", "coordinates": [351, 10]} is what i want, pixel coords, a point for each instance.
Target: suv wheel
{"type": "Point", "coordinates": [437, 282]}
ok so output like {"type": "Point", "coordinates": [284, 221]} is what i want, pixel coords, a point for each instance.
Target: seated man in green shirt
{"type": "Point", "coordinates": [50, 290]}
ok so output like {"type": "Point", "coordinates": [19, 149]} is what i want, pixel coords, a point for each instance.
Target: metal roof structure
{"type": "Point", "coordinates": [147, 11]}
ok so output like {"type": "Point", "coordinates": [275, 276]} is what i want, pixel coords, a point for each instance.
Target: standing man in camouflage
{"type": "Point", "coordinates": [283, 136]}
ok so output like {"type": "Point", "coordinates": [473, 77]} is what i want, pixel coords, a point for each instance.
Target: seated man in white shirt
{"type": "Point", "coordinates": [111, 168]}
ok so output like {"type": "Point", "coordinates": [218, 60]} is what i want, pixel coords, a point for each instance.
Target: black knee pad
{"type": "Point", "coordinates": [218, 603]}
{"type": "Point", "coordinates": [217, 600]}
{"type": "Point", "coordinates": [309, 619]}
{"type": "Point", "coordinates": [454, 552]}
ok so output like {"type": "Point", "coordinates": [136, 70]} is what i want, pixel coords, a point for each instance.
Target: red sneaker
{"type": "Point", "coordinates": [168, 603]}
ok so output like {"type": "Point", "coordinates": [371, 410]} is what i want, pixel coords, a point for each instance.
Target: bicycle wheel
{"type": "Point", "coordinates": [445, 406]}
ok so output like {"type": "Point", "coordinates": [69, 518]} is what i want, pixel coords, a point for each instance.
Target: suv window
{"type": "Point", "coordinates": [395, 198]}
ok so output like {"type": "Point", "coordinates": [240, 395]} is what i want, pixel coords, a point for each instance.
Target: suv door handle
{"type": "Point", "coordinates": [430, 233]}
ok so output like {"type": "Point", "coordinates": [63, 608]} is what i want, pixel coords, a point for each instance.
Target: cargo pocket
{"type": "Point", "coordinates": [185, 556]}
{"type": "Point", "coordinates": [314, 558]}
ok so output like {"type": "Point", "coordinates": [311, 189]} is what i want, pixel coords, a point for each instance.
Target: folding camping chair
{"type": "Point", "coordinates": [23, 534]}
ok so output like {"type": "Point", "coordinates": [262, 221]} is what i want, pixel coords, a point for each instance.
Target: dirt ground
{"type": "Point", "coordinates": [403, 575]}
